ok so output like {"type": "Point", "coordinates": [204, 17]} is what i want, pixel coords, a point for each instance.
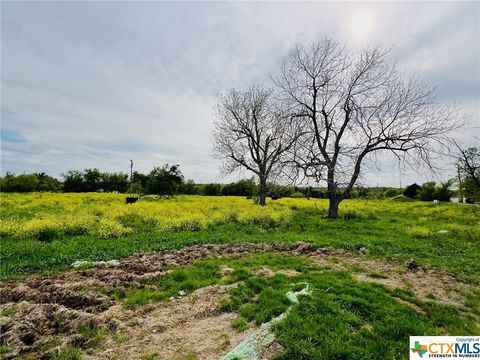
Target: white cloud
{"type": "Point", "coordinates": [95, 84]}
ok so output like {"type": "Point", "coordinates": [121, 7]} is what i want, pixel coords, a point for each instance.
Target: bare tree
{"type": "Point", "coordinates": [355, 106]}
{"type": "Point", "coordinates": [252, 133]}
{"type": "Point", "coordinates": [468, 168]}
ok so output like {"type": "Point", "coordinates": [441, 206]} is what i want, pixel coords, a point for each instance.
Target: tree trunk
{"type": "Point", "coordinates": [333, 207]}
{"type": "Point", "coordinates": [334, 198]}
{"type": "Point", "coordinates": [262, 192]}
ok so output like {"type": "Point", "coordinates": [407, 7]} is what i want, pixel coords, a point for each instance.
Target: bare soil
{"type": "Point", "coordinates": [426, 284]}
{"type": "Point", "coordinates": [49, 310]}
{"type": "Point", "coordinates": [188, 325]}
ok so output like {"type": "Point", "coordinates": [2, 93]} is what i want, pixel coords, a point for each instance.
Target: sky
{"type": "Point", "coordinates": [95, 84]}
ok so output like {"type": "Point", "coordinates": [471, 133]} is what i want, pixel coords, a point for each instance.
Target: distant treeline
{"type": "Point", "coordinates": [168, 180]}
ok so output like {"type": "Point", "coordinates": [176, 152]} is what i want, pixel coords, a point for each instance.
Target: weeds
{"type": "Point", "coordinates": [7, 311]}
{"type": "Point", "coordinates": [91, 333]}
{"type": "Point", "coordinates": [240, 324]}
{"type": "Point", "coordinates": [68, 353]}
{"type": "Point", "coordinates": [387, 228]}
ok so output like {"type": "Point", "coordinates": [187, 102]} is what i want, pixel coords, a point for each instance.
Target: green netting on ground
{"type": "Point", "coordinates": [255, 343]}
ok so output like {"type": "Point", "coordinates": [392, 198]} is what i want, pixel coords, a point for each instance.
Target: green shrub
{"type": "Point", "coordinates": [297, 195]}
{"type": "Point", "coordinates": [390, 193]}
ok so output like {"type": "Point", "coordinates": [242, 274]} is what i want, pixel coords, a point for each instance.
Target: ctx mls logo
{"type": "Point", "coordinates": [419, 349]}
{"type": "Point", "coordinates": [453, 347]}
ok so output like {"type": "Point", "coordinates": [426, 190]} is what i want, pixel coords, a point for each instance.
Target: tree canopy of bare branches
{"type": "Point", "coordinates": [251, 132]}
{"type": "Point", "coordinates": [353, 106]}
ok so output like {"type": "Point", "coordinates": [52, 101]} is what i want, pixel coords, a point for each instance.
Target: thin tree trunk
{"type": "Point", "coordinates": [334, 198]}
{"type": "Point", "coordinates": [263, 192]}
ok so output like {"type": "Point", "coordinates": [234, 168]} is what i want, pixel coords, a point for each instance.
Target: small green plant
{"type": "Point", "coordinates": [142, 297]}
{"type": "Point", "coordinates": [118, 294]}
{"type": "Point", "coordinates": [151, 356]}
{"type": "Point", "coordinates": [67, 353]}
{"type": "Point", "coordinates": [4, 349]}
{"type": "Point", "coordinates": [91, 333]}
{"type": "Point", "coordinates": [60, 324]}
{"type": "Point", "coordinates": [43, 346]}
{"type": "Point", "coordinates": [240, 324]}
{"type": "Point", "coordinates": [9, 310]}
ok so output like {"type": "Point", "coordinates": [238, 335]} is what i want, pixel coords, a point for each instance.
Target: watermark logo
{"type": "Point", "coordinates": [419, 349]}
{"type": "Point", "coordinates": [450, 347]}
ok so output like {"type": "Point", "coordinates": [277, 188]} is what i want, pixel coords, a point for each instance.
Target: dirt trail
{"type": "Point", "coordinates": [57, 305]}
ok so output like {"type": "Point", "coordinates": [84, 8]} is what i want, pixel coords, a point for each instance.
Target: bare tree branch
{"type": "Point", "coordinates": [251, 131]}
{"type": "Point", "coordinates": [354, 106]}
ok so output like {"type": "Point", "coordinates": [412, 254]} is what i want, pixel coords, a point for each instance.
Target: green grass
{"type": "Point", "coordinates": [240, 324]}
{"type": "Point", "coordinates": [91, 334]}
{"type": "Point", "coordinates": [68, 353]}
{"type": "Point", "coordinates": [342, 318]}
{"type": "Point", "coordinates": [203, 273]}
{"type": "Point", "coordinates": [151, 356]}
{"type": "Point", "coordinates": [10, 310]}
{"type": "Point", "coordinates": [3, 349]}
{"type": "Point", "coordinates": [388, 229]}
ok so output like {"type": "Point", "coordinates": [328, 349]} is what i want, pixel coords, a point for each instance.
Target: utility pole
{"type": "Point", "coordinates": [131, 170]}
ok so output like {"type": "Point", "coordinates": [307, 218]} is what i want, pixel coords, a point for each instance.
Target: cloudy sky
{"type": "Point", "coordinates": [95, 84]}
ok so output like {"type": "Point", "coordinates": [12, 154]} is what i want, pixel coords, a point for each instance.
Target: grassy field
{"type": "Point", "coordinates": [340, 318]}
{"type": "Point", "coordinates": [363, 301]}
{"type": "Point", "coordinates": [43, 232]}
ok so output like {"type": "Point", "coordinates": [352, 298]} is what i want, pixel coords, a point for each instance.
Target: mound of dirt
{"type": "Point", "coordinates": [80, 289]}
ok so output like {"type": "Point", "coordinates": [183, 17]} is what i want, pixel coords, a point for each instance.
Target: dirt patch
{"type": "Point", "coordinates": [266, 272]}
{"type": "Point", "coordinates": [426, 284]}
{"type": "Point", "coordinates": [188, 325]}
{"type": "Point", "coordinates": [34, 325]}
{"type": "Point", "coordinates": [79, 289]}
{"type": "Point", "coordinates": [273, 350]}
